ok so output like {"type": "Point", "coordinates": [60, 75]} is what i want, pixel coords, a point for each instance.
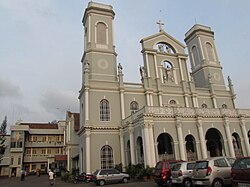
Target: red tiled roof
{"type": "Point", "coordinates": [41, 125]}
{"type": "Point", "coordinates": [77, 121]}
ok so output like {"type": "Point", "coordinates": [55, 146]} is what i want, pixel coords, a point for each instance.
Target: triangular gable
{"type": "Point", "coordinates": [153, 38]}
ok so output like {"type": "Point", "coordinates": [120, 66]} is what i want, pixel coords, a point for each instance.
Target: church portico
{"type": "Point", "coordinates": [203, 135]}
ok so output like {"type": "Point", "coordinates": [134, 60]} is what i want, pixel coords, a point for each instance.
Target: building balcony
{"type": "Point", "coordinates": [44, 144]}
{"type": "Point", "coordinates": [16, 150]}
{"type": "Point", "coordinates": [36, 158]}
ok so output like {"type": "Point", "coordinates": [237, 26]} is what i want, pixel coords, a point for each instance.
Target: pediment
{"type": "Point", "coordinates": [150, 42]}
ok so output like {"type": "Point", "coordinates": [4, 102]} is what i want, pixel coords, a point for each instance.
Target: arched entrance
{"type": "Point", "coordinates": [237, 145]}
{"type": "Point", "coordinates": [190, 148]}
{"type": "Point", "coordinates": [214, 145]}
{"type": "Point", "coordinates": [165, 147]}
{"type": "Point", "coordinates": [139, 150]}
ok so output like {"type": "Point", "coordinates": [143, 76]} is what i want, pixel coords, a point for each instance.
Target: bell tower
{"type": "Point", "coordinates": [206, 68]}
{"type": "Point", "coordinates": [99, 51]}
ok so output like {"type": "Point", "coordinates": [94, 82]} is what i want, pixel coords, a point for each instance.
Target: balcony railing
{"type": "Point", "coordinates": [43, 144]}
{"type": "Point", "coordinates": [36, 158]}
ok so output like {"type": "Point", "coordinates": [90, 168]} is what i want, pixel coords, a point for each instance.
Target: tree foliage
{"type": "Point", "coordinates": [2, 137]}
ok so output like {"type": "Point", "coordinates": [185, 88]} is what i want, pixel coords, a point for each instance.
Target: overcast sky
{"type": "Point", "coordinates": [41, 45]}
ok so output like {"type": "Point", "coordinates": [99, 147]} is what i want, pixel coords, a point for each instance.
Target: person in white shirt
{"type": "Point", "coordinates": [51, 178]}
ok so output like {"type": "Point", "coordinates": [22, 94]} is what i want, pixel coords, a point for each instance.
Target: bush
{"type": "Point", "coordinates": [119, 167]}
{"type": "Point", "coordinates": [134, 170]}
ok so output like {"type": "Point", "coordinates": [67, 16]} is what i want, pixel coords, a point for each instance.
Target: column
{"type": "Point", "coordinates": [132, 144]}
{"type": "Point", "coordinates": [202, 138]}
{"type": "Point", "coordinates": [244, 132]}
{"type": "Point", "coordinates": [88, 154]}
{"type": "Point", "coordinates": [180, 138]}
{"type": "Point", "coordinates": [86, 104]}
{"type": "Point", "coordinates": [147, 145]}
{"type": "Point", "coordinates": [122, 150]}
{"type": "Point", "coordinates": [151, 139]}
{"type": "Point", "coordinates": [122, 104]}
{"type": "Point", "coordinates": [229, 137]}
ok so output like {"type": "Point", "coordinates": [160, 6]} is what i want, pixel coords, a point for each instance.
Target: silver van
{"type": "Point", "coordinates": [182, 173]}
{"type": "Point", "coordinates": [214, 171]}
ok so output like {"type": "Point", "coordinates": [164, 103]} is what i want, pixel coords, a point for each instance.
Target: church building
{"type": "Point", "coordinates": [173, 113]}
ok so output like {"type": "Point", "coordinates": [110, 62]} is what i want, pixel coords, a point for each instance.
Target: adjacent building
{"type": "Point", "coordinates": [37, 146]}
{"type": "Point", "coordinates": [5, 160]}
{"type": "Point", "coordinates": [173, 113]}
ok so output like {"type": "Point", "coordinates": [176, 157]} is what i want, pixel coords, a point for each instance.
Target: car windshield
{"type": "Point", "coordinates": [176, 167]}
{"type": "Point", "coordinates": [190, 166]}
{"type": "Point", "coordinates": [201, 165]}
{"type": "Point", "coordinates": [231, 161]}
{"type": "Point", "coordinates": [172, 164]}
{"type": "Point", "coordinates": [95, 173]}
{"type": "Point", "coordinates": [242, 164]}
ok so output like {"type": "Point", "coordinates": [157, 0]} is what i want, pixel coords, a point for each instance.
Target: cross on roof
{"type": "Point", "coordinates": [160, 25]}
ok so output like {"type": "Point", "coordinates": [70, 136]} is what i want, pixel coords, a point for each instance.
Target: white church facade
{"type": "Point", "coordinates": [171, 114]}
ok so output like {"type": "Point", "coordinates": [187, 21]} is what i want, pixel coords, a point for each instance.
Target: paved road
{"type": "Point", "coordinates": [42, 181]}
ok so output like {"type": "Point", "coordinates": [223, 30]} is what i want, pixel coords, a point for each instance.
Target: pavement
{"type": "Point", "coordinates": [35, 181]}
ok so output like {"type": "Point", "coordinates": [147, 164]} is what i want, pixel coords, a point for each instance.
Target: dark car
{"type": "Point", "coordinates": [240, 172]}
{"type": "Point", "coordinates": [162, 172]}
{"type": "Point", "coordinates": [83, 177]}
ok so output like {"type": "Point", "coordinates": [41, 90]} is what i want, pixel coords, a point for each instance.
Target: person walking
{"type": "Point", "coordinates": [22, 175]}
{"type": "Point", "coordinates": [51, 178]}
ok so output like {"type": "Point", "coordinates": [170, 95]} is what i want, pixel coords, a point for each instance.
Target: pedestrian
{"type": "Point", "coordinates": [22, 175]}
{"type": "Point", "coordinates": [51, 178]}
{"type": "Point", "coordinates": [38, 172]}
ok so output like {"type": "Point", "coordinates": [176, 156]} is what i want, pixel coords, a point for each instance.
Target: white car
{"type": "Point", "coordinates": [103, 176]}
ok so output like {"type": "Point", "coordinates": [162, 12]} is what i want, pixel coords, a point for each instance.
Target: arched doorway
{"type": "Point", "coordinates": [128, 153]}
{"type": "Point", "coordinates": [214, 145]}
{"type": "Point", "coordinates": [139, 150]}
{"type": "Point", "coordinates": [237, 145]}
{"type": "Point", "coordinates": [190, 148]}
{"type": "Point", "coordinates": [165, 147]}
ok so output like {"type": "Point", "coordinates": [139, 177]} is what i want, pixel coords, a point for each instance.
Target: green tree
{"type": "Point", "coordinates": [2, 137]}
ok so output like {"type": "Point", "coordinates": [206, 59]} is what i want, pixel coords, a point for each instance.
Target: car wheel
{"type": "Point", "coordinates": [125, 180]}
{"type": "Point", "coordinates": [187, 183]}
{"type": "Point", "coordinates": [217, 183]}
{"type": "Point", "coordinates": [101, 183]}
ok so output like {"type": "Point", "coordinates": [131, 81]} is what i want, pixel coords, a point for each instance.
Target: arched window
{"type": "Point", "coordinates": [195, 55]}
{"type": "Point", "coordinates": [101, 33]}
{"type": "Point", "coordinates": [224, 106]}
{"type": "Point", "coordinates": [210, 52]}
{"type": "Point", "coordinates": [106, 157]}
{"type": "Point", "coordinates": [164, 48]}
{"type": "Point", "coordinates": [134, 106]}
{"type": "Point", "coordinates": [104, 110]}
{"type": "Point", "coordinates": [204, 105]}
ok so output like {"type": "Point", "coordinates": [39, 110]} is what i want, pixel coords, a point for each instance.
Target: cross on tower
{"type": "Point", "coordinates": [160, 25]}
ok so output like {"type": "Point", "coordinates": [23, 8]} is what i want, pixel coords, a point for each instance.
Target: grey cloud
{"type": "Point", "coordinates": [7, 89]}
{"type": "Point", "coordinates": [57, 101]}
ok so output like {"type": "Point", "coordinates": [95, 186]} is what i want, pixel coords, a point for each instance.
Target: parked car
{"type": "Point", "coordinates": [240, 173]}
{"type": "Point", "coordinates": [162, 172]}
{"type": "Point", "coordinates": [83, 177]}
{"type": "Point", "coordinates": [103, 176]}
{"type": "Point", "coordinates": [213, 171]}
{"type": "Point", "coordinates": [182, 173]}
